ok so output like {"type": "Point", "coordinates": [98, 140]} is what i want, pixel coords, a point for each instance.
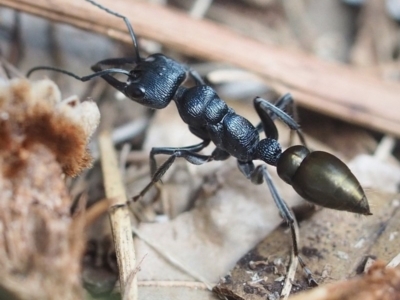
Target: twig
{"type": "Point", "coordinates": [326, 87]}
{"type": "Point", "coordinates": [119, 217]}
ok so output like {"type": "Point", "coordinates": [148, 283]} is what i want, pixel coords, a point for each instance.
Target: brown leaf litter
{"type": "Point", "coordinates": [41, 137]}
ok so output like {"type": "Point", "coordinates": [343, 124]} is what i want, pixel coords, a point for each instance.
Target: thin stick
{"type": "Point", "coordinates": [119, 217]}
{"type": "Point", "coordinates": [124, 250]}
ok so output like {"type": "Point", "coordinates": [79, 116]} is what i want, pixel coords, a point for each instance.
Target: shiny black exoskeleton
{"type": "Point", "coordinates": [318, 177]}
{"type": "Point", "coordinates": [155, 81]}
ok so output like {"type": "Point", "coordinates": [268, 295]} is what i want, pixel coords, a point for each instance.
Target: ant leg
{"type": "Point", "coordinates": [171, 151]}
{"type": "Point", "coordinates": [267, 121]}
{"type": "Point", "coordinates": [284, 103]}
{"type": "Point", "coordinates": [287, 104]}
{"type": "Point", "coordinates": [188, 153]}
{"type": "Point", "coordinates": [268, 112]}
{"type": "Point", "coordinates": [256, 175]}
{"type": "Point", "coordinates": [219, 155]}
{"type": "Point", "coordinates": [196, 76]}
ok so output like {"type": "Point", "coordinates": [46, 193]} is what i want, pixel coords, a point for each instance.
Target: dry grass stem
{"type": "Point", "coordinates": [119, 217]}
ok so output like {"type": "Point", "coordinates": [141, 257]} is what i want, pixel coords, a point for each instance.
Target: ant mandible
{"type": "Point", "coordinates": [155, 81]}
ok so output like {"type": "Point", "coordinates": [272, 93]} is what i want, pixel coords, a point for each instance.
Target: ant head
{"type": "Point", "coordinates": [154, 81]}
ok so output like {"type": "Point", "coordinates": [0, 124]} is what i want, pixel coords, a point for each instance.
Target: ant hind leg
{"type": "Point", "coordinates": [257, 175]}
{"type": "Point", "coordinates": [269, 112]}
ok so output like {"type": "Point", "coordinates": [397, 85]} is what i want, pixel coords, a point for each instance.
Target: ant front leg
{"type": "Point", "coordinates": [189, 153]}
{"type": "Point", "coordinates": [257, 175]}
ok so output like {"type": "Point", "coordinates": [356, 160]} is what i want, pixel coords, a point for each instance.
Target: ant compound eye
{"type": "Point", "coordinates": [138, 93]}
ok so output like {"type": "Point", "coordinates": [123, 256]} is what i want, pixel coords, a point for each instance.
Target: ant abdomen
{"type": "Point", "coordinates": [323, 179]}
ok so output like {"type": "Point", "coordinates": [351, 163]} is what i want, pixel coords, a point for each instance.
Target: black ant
{"type": "Point", "coordinates": [155, 81]}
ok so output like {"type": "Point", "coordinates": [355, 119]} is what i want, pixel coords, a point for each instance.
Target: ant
{"type": "Point", "coordinates": [155, 81]}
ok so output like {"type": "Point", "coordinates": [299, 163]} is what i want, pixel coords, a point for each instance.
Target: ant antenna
{"type": "Point", "coordinates": [128, 24]}
{"type": "Point", "coordinates": [83, 78]}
